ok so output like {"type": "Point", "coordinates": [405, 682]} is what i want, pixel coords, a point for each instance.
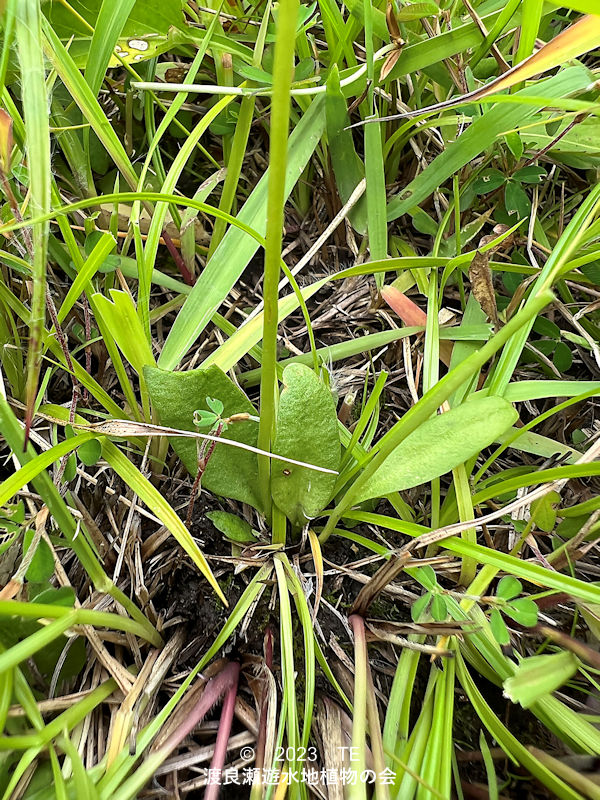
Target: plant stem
{"type": "Point", "coordinates": [35, 108]}
{"type": "Point", "coordinates": [218, 759]}
{"type": "Point", "coordinates": [280, 112]}
{"type": "Point", "coordinates": [357, 790]}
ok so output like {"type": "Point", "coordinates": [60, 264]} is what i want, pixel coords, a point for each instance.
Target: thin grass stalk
{"type": "Point", "coordinates": [35, 113]}
{"type": "Point", "coordinates": [357, 789]}
{"type": "Point", "coordinates": [218, 759]}
{"type": "Point", "coordinates": [239, 143]}
{"type": "Point", "coordinates": [280, 113]}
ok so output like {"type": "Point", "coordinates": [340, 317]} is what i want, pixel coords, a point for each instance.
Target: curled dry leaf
{"type": "Point", "coordinates": [480, 276]}
{"type": "Point", "coordinates": [410, 314]}
{"type": "Point", "coordinates": [6, 141]}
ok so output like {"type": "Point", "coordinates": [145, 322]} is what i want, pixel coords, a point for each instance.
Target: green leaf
{"type": "Point", "coordinates": [499, 629]}
{"type": "Point", "coordinates": [215, 405]}
{"type": "Point", "coordinates": [524, 611]}
{"type": "Point", "coordinates": [440, 444]}
{"type": "Point", "coordinates": [531, 174]}
{"type": "Point", "coordinates": [413, 11]}
{"type": "Point", "coordinates": [234, 527]}
{"type": "Point", "coordinates": [547, 328]}
{"type": "Point", "coordinates": [70, 469]}
{"type": "Point", "coordinates": [204, 419]}
{"type": "Point", "coordinates": [63, 596]}
{"type": "Point", "coordinates": [509, 587]}
{"type": "Point", "coordinates": [108, 25]}
{"type": "Point", "coordinates": [41, 568]}
{"type": "Point", "coordinates": [348, 169]}
{"type": "Point", "coordinates": [231, 472]}
{"type": "Point", "coordinates": [516, 200]}
{"type": "Point", "coordinates": [90, 452]}
{"type": "Point", "coordinates": [563, 357]}
{"type": "Point", "coordinates": [489, 181]}
{"type": "Point", "coordinates": [419, 606]}
{"type": "Point", "coordinates": [439, 610]}
{"type": "Point", "coordinates": [306, 431]}
{"type": "Point", "coordinates": [538, 676]}
{"type": "Point", "coordinates": [543, 511]}
{"type": "Point", "coordinates": [515, 144]}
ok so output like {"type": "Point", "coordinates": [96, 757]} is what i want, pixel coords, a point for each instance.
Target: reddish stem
{"type": "Point", "coordinates": [214, 690]}
{"type": "Point", "coordinates": [177, 258]}
{"type": "Point", "coordinates": [202, 464]}
{"type": "Point", "coordinates": [218, 759]}
{"type": "Point", "coordinates": [261, 738]}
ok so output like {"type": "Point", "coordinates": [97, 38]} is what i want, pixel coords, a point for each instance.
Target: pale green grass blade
{"type": "Point", "coordinates": [109, 24]}
{"type": "Point", "coordinates": [530, 25]}
{"type": "Point", "coordinates": [28, 471]}
{"type": "Point", "coordinates": [520, 391]}
{"type": "Point", "coordinates": [150, 495]}
{"type": "Point", "coordinates": [87, 102]}
{"type": "Point", "coordinates": [13, 434]}
{"type": "Point", "coordinates": [287, 660]}
{"type": "Point", "coordinates": [35, 113]}
{"type": "Point", "coordinates": [309, 650]}
{"type": "Point", "coordinates": [235, 250]}
{"type": "Point", "coordinates": [93, 262]}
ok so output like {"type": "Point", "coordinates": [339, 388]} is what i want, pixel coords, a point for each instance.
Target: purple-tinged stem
{"type": "Point", "coordinates": [214, 690]}
{"type": "Point", "coordinates": [218, 759]}
{"type": "Point", "coordinates": [261, 738]}
{"type": "Point", "coordinates": [177, 258]}
{"type": "Point", "coordinates": [202, 464]}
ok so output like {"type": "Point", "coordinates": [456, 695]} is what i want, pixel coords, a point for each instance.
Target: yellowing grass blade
{"type": "Point", "coordinates": [150, 495]}
{"type": "Point", "coordinates": [585, 6]}
{"type": "Point", "coordinates": [318, 562]}
{"type": "Point", "coordinates": [574, 41]}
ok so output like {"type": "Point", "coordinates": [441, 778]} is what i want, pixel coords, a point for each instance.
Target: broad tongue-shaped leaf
{"type": "Point", "coordinates": [440, 444]}
{"type": "Point", "coordinates": [231, 472]}
{"type": "Point", "coordinates": [306, 431]}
